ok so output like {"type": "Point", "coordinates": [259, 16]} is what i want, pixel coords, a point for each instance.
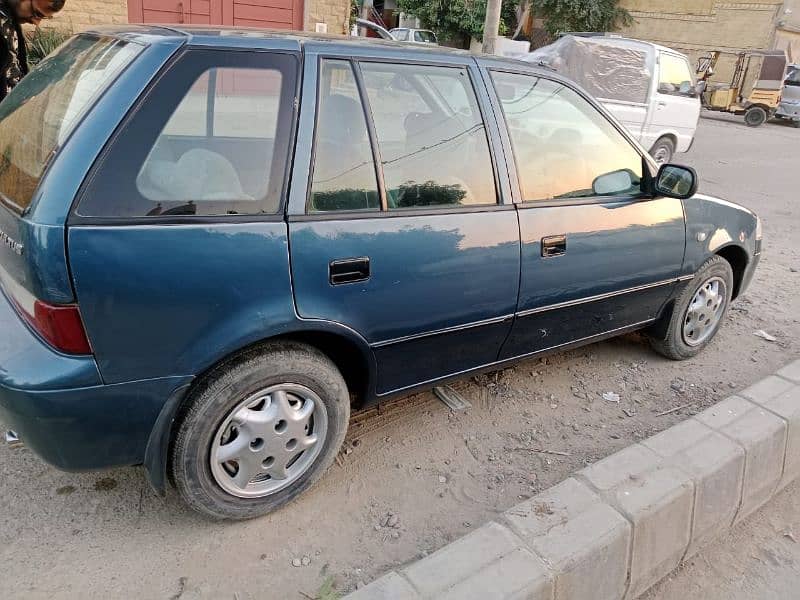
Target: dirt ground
{"type": "Point", "coordinates": [438, 473]}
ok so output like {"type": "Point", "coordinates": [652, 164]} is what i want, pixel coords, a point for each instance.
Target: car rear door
{"type": "Point", "coordinates": [417, 251]}
{"type": "Point", "coordinates": [597, 257]}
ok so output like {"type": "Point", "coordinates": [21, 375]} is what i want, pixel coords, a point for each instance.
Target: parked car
{"type": "Point", "coordinates": [214, 243]}
{"type": "Point", "coordinates": [789, 107]}
{"type": "Point", "coordinates": [650, 88]}
{"type": "Point", "coordinates": [415, 36]}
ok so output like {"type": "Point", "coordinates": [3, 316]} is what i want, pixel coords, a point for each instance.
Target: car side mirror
{"type": "Point", "coordinates": [616, 182]}
{"type": "Point", "coordinates": [676, 181]}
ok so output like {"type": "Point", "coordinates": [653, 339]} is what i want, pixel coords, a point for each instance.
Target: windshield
{"type": "Point", "coordinates": [40, 112]}
{"type": "Point", "coordinates": [425, 36]}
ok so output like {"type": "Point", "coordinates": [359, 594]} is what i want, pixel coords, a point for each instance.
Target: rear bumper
{"type": "Point", "coordinates": [61, 409]}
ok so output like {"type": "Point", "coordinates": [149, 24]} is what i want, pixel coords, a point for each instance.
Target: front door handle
{"type": "Point", "coordinates": [554, 245]}
{"type": "Point", "coordinates": [348, 270]}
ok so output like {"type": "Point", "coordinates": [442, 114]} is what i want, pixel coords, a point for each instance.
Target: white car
{"type": "Point", "coordinates": [415, 36]}
{"type": "Point", "coordinates": [649, 88]}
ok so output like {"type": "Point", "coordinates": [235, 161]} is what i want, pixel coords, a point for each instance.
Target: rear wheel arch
{"type": "Point", "coordinates": [345, 348]}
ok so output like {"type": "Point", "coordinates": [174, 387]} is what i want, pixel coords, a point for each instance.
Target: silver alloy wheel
{"type": "Point", "coordinates": [268, 440]}
{"type": "Point", "coordinates": [704, 311]}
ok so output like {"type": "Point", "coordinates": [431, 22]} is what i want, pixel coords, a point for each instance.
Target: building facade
{"type": "Point", "coordinates": [787, 35]}
{"type": "Point", "coordinates": [79, 15]}
{"type": "Point", "coordinates": [696, 27]}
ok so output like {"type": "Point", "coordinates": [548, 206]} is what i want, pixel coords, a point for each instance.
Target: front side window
{"type": "Point", "coordinates": [564, 148]}
{"type": "Point", "coordinates": [433, 144]}
{"type": "Point", "coordinates": [39, 113]}
{"type": "Point", "coordinates": [344, 171]}
{"type": "Point", "coordinates": [211, 139]}
{"type": "Point", "coordinates": [675, 77]}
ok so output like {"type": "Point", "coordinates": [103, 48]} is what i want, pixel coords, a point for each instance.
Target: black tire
{"type": "Point", "coordinates": [663, 150]}
{"type": "Point", "coordinates": [671, 342]}
{"type": "Point", "coordinates": [225, 388]}
{"type": "Point", "coordinates": [755, 116]}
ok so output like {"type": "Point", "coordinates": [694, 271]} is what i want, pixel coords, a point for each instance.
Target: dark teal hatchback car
{"type": "Point", "coordinates": [214, 243]}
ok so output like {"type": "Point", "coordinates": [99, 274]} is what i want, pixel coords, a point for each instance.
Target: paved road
{"type": "Point", "coordinates": [102, 535]}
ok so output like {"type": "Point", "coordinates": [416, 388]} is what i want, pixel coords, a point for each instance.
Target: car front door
{"type": "Point", "coordinates": [675, 105]}
{"type": "Point", "coordinates": [415, 251]}
{"type": "Point", "coordinates": [597, 256]}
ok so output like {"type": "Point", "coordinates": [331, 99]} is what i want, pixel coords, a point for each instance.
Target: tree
{"type": "Point", "coordinates": [458, 20]}
{"type": "Point", "coordinates": [581, 15]}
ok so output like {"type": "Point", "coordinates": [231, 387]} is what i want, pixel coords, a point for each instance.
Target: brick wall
{"type": "Point", "coordinates": [78, 15]}
{"type": "Point", "coordinates": [335, 13]}
{"type": "Point", "coordinates": [697, 26]}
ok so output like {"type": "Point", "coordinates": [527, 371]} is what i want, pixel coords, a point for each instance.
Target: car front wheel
{"type": "Point", "coordinates": [663, 150]}
{"type": "Point", "coordinates": [259, 430]}
{"type": "Point", "coordinates": [698, 313]}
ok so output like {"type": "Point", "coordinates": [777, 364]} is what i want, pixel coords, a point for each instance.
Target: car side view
{"type": "Point", "coordinates": [216, 243]}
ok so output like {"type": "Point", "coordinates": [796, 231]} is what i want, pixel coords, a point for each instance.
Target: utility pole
{"type": "Point", "coordinates": [491, 26]}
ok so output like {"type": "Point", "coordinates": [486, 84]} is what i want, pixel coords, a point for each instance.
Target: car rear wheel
{"type": "Point", "coordinates": [259, 430]}
{"type": "Point", "coordinates": [698, 313]}
{"type": "Point", "coordinates": [755, 116]}
{"type": "Point", "coordinates": [663, 150]}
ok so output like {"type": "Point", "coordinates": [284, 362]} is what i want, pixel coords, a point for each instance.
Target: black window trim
{"type": "Point", "coordinates": [384, 212]}
{"type": "Point", "coordinates": [519, 201]}
{"type": "Point", "coordinates": [74, 219]}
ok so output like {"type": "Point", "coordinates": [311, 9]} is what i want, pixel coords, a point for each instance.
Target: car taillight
{"type": "Point", "coordinates": [60, 325]}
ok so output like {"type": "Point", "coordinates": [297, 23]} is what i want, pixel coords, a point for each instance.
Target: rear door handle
{"type": "Point", "coordinates": [554, 245]}
{"type": "Point", "coordinates": [348, 270]}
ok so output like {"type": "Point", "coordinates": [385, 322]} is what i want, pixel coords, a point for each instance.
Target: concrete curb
{"type": "Point", "coordinates": [615, 528]}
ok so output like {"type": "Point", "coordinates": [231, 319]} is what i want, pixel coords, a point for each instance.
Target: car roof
{"type": "Point", "coordinates": [222, 36]}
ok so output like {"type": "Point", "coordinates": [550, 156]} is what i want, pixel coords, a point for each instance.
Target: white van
{"type": "Point", "coordinates": [649, 88]}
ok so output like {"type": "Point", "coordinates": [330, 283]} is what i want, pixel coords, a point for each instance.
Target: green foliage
{"type": "Point", "coordinates": [328, 590]}
{"type": "Point", "coordinates": [453, 20]}
{"type": "Point", "coordinates": [43, 41]}
{"type": "Point", "coordinates": [581, 15]}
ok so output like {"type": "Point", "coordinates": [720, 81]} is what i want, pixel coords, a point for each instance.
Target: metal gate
{"type": "Point", "coordinates": [265, 14]}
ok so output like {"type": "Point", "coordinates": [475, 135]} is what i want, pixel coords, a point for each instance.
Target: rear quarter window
{"type": "Point", "coordinates": [210, 138]}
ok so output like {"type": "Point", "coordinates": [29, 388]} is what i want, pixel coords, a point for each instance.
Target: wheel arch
{"type": "Point", "coordinates": [669, 135]}
{"type": "Point", "coordinates": [346, 348]}
{"type": "Point", "coordinates": [737, 258]}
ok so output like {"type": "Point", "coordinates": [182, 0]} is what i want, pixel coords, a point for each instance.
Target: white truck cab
{"type": "Point", "coordinates": [650, 89]}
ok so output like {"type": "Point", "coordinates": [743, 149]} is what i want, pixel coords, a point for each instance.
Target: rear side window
{"type": "Point", "coordinates": [430, 132]}
{"type": "Point", "coordinates": [39, 114]}
{"type": "Point", "coordinates": [212, 138]}
{"type": "Point", "coordinates": [344, 171]}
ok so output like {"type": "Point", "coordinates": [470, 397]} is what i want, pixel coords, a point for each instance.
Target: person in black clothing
{"type": "Point", "coordinates": [13, 55]}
